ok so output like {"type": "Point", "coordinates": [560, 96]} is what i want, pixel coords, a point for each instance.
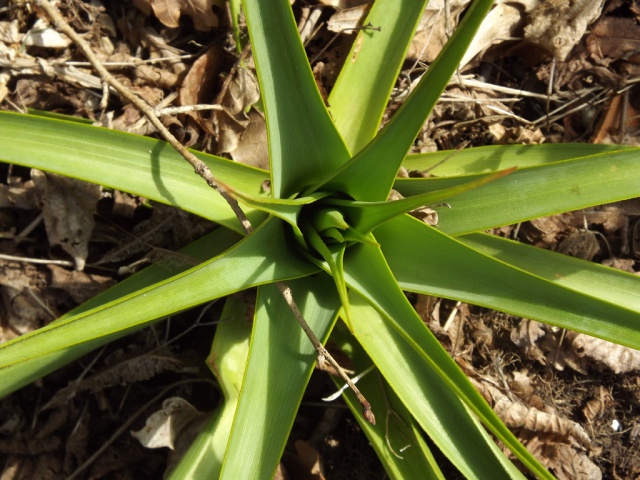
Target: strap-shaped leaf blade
{"type": "Point", "coordinates": [464, 274]}
{"type": "Point", "coordinates": [304, 144]}
{"type": "Point", "coordinates": [359, 97]}
{"type": "Point", "coordinates": [420, 353]}
{"type": "Point", "coordinates": [491, 158]}
{"type": "Point", "coordinates": [535, 191]}
{"type": "Point", "coordinates": [365, 216]}
{"type": "Point", "coordinates": [369, 175]}
{"type": "Point", "coordinates": [227, 362]}
{"type": "Point", "coordinates": [610, 284]}
{"type": "Point", "coordinates": [281, 360]}
{"type": "Point", "coordinates": [262, 257]}
{"type": "Point", "coordinates": [135, 164]}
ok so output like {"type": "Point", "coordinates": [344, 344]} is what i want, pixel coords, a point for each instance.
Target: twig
{"type": "Point", "coordinates": [323, 353]}
{"type": "Point", "coordinates": [198, 165]}
{"type": "Point", "coordinates": [63, 263]}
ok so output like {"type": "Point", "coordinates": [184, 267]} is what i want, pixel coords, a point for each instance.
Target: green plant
{"type": "Point", "coordinates": [328, 232]}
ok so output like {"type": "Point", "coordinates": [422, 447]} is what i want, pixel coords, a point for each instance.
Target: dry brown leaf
{"type": "Point", "coordinates": [618, 358]}
{"type": "Point", "coordinates": [348, 20]}
{"type": "Point", "coordinates": [558, 25]}
{"type": "Point", "coordinates": [68, 207]}
{"type": "Point", "coordinates": [344, 4]}
{"type": "Point", "coordinates": [580, 244]}
{"type": "Point", "coordinates": [200, 82]}
{"type": "Point", "coordinates": [17, 194]}
{"type": "Point", "coordinates": [614, 38]}
{"type": "Point", "coordinates": [125, 204]}
{"type": "Point", "coordinates": [253, 148]}
{"type": "Point", "coordinates": [430, 35]}
{"type": "Point", "coordinates": [522, 384]}
{"type": "Point", "coordinates": [170, 11]}
{"type": "Point", "coordinates": [22, 300]}
{"type": "Point", "coordinates": [305, 464]}
{"type": "Point", "coordinates": [525, 335]}
{"type": "Point", "coordinates": [556, 441]}
{"type": "Point", "coordinates": [230, 123]}
{"type": "Point", "coordinates": [567, 463]}
{"type": "Point", "coordinates": [80, 286]}
{"type": "Point", "coordinates": [163, 427]}
{"type": "Point", "coordinates": [546, 345]}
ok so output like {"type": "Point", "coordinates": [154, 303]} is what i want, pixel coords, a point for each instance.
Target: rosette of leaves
{"type": "Point", "coordinates": [326, 229]}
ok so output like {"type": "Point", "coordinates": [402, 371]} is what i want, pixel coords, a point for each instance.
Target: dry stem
{"type": "Point", "coordinates": [323, 354]}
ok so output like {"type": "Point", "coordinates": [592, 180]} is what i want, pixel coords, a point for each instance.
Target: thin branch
{"type": "Point", "coordinates": [323, 353]}
{"type": "Point", "coordinates": [198, 165]}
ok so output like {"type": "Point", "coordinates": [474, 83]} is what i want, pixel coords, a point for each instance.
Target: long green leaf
{"type": "Point", "coordinates": [304, 145]}
{"type": "Point", "coordinates": [135, 164]}
{"type": "Point", "coordinates": [203, 249]}
{"type": "Point", "coordinates": [396, 438]}
{"type": "Point", "coordinates": [610, 284]}
{"type": "Point", "coordinates": [281, 359]}
{"type": "Point", "coordinates": [359, 97]}
{"type": "Point", "coordinates": [416, 352]}
{"type": "Point", "coordinates": [260, 258]}
{"type": "Point", "coordinates": [464, 274]}
{"type": "Point", "coordinates": [365, 216]}
{"type": "Point", "coordinates": [535, 191]}
{"type": "Point", "coordinates": [492, 158]}
{"type": "Point", "coordinates": [227, 361]}
{"type": "Point", "coordinates": [369, 175]}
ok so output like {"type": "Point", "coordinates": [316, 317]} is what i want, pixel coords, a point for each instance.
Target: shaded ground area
{"type": "Point", "coordinates": [573, 400]}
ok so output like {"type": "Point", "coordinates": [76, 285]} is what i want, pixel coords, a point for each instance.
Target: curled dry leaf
{"type": "Point", "coordinates": [163, 427]}
{"type": "Point", "coordinates": [618, 358]}
{"type": "Point", "coordinates": [519, 416]}
{"type": "Point", "coordinates": [557, 442]}
{"type": "Point", "coordinates": [68, 206]}
{"type": "Point", "coordinates": [239, 93]}
{"type": "Point", "coordinates": [575, 350]}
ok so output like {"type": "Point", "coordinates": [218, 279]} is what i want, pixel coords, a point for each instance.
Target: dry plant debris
{"type": "Point", "coordinates": [539, 71]}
